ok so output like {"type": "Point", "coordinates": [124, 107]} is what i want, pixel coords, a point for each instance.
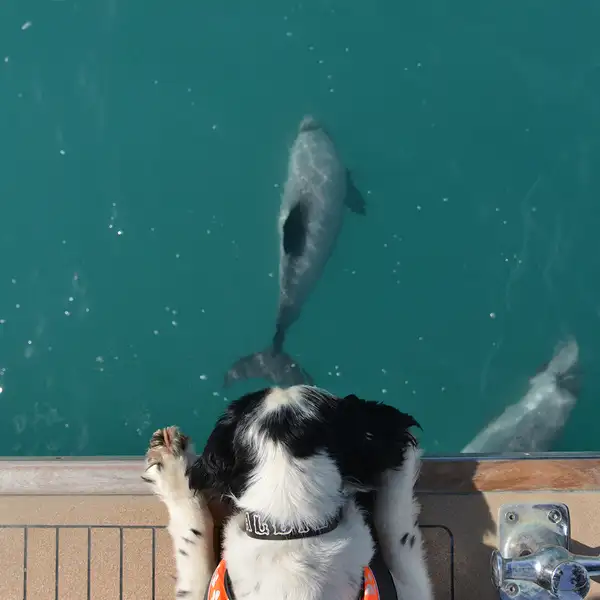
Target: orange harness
{"type": "Point", "coordinates": [217, 589]}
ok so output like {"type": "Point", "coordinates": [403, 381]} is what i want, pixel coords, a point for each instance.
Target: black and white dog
{"type": "Point", "coordinates": [294, 463]}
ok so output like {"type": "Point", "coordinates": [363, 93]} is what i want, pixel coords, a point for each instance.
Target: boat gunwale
{"type": "Point", "coordinates": [447, 474]}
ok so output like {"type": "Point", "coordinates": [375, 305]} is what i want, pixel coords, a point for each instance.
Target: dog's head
{"type": "Point", "coordinates": [295, 453]}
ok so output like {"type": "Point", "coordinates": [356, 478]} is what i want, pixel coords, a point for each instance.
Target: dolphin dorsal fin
{"type": "Point", "coordinates": [354, 200]}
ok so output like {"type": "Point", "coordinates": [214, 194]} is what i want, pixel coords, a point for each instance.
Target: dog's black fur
{"type": "Point", "coordinates": [364, 437]}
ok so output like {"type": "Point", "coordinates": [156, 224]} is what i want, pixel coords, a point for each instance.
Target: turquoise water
{"type": "Point", "coordinates": [143, 150]}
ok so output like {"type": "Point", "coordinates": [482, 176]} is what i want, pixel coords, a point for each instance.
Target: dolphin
{"type": "Point", "coordinates": [317, 190]}
{"type": "Point", "coordinates": [533, 423]}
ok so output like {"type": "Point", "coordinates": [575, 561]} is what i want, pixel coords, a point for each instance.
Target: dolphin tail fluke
{"type": "Point", "coordinates": [564, 367]}
{"type": "Point", "coordinates": [277, 367]}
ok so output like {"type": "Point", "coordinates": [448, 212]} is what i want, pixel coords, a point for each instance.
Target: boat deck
{"type": "Point", "coordinates": [89, 529]}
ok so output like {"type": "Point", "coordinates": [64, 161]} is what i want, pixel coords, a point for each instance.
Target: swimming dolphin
{"type": "Point", "coordinates": [534, 422]}
{"type": "Point", "coordinates": [317, 189]}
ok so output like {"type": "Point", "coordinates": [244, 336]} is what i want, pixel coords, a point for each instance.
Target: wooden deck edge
{"type": "Point", "coordinates": [460, 474]}
{"type": "Point", "coordinates": [79, 476]}
{"type": "Point", "coordinates": [510, 475]}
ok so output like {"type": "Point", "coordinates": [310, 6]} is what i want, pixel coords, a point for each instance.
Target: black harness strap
{"type": "Point", "coordinates": [383, 577]}
{"type": "Point", "coordinates": [228, 587]}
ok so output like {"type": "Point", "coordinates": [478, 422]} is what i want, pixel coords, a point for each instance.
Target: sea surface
{"type": "Point", "coordinates": [143, 152]}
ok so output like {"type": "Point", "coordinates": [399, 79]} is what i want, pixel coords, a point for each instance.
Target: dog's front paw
{"type": "Point", "coordinates": [166, 463]}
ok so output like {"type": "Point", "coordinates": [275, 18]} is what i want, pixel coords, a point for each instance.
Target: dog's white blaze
{"type": "Point", "coordinates": [279, 397]}
{"type": "Point", "coordinates": [297, 490]}
{"type": "Point", "coordinates": [292, 397]}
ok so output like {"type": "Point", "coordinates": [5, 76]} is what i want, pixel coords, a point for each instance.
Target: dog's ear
{"type": "Point", "coordinates": [370, 437]}
{"type": "Point", "coordinates": [227, 460]}
{"type": "Point", "coordinates": [222, 468]}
